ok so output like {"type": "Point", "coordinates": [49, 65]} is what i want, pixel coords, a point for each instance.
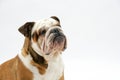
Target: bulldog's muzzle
{"type": "Point", "coordinates": [55, 40]}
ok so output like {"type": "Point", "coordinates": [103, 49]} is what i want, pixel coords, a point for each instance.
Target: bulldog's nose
{"type": "Point", "coordinates": [56, 30]}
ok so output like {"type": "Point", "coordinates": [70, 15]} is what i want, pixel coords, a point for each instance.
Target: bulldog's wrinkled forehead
{"type": "Point", "coordinates": [50, 22]}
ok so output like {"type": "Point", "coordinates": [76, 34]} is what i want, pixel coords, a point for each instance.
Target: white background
{"type": "Point", "coordinates": [92, 28]}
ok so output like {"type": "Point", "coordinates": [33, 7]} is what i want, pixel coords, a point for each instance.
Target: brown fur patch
{"type": "Point", "coordinates": [25, 47]}
{"type": "Point", "coordinates": [35, 36]}
{"type": "Point", "coordinates": [7, 70]}
{"type": "Point", "coordinates": [62, 77]}
{"type": "Point", "coordinates": [41, 69]}
{"type": "Point", "coordinates": [14, 70]}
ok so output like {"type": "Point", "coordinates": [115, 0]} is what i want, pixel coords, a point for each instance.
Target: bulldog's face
{"type": "Point", "coordinates": [46, 36]}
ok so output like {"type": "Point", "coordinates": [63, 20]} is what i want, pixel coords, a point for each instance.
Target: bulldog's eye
{"type": "Point", "coordinates": [43, 32]}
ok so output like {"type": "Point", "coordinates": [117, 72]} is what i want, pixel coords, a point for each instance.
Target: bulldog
{"type": "Point", "coordinates": [40, 57]}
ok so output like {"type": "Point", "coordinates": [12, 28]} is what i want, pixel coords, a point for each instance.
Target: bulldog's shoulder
{"type": "Point", "coordinates": [8, 63]}
{"type": "Point", "coordinates": [7, 69]}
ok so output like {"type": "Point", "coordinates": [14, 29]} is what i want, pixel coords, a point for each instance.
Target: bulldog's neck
{"type": "Point", "coordinates": [37, 59]}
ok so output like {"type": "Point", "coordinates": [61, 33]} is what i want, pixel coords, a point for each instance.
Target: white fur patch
{"type": "Point", "coordinates": [53, 72]}
{"type": "Point", "coordinates": [44, 23]}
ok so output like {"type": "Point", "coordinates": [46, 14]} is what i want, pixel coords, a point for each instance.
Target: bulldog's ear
{"type": "Point", "coordinates": [26, 29]}
{"type": "Point", "coordinates": [57, 19]}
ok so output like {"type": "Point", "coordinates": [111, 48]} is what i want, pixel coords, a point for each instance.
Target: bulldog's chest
{"type": "Point", "coordinates": [53, 72]}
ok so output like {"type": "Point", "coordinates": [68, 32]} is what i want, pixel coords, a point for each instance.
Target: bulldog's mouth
{"type": "Point", "coordinates": [58, 40]}
{"type": "Point", "coordinates": [54, 43]}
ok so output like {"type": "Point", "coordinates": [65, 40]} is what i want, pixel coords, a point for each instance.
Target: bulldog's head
{"type": "Point", "coordinates": [45, 36]}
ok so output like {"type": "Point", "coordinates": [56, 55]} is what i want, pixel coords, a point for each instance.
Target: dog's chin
{"type": "Point", "coordinates": [54, 44]}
